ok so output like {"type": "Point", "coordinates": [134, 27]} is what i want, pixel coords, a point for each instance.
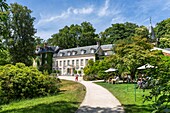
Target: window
{"type": "Point", "coordinates": [74, 53]}
{"type": "Point", "coordinates": [64, 63]}
{"type": "Point", "coordinates": [56, 64]}
{"type": "Point", "coordinates": [92, 50]}
{"type": "Point", "coordinates": [86, 61]}
{"type": "Point", "coordinates": [69, 53]}
{"type": "Point", "coordinates": [81, 62]}
{"type": "Point", "coordinates": [61, 54]}
{"type": "Point", "coordinates": [60, 63]}
{"type": "Point", "coordinates": [105, 53]}
{"type": "Point", "coordinates": [68, 62]}
{"type": "Point", "coordinates": [82, 51]}
{"type": "Point", "coordinates": [73, 62]}
{"type": "Point", "coordinates": [77, 62]}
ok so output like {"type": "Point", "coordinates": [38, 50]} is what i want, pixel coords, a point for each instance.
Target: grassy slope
{"type": "Point", "coordinates": [67, 101]}
{"type": "Point", "coordinates": [126, 95]}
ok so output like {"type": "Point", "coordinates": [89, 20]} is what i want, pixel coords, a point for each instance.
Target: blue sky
{"type": "Point", "coordinates": [52, 15]}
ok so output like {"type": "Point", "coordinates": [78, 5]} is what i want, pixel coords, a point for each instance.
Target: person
{"type": "Point", "coordinates": [139, 83]}
{"type": "Point", "coordinates": [76, 79]}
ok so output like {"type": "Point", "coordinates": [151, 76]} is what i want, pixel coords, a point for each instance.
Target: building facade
{"type": "Point", "coordinates": [69, 60]}
{"type": "Point", "coordinates": [44, 55]}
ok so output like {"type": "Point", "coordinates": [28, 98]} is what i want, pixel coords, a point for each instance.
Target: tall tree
{"type": "Point", "coordinates": [118, 31]}
{"type": "Point", "coordinates": [162, 31]}
{"type": "Point", "coordinates": [4, 53]}
{"type": "Point", "coordinates": [3, 8]}
{"type": "Point", "coordinates": [39, 41]}
{"type": "Point", "coordinates": [132, 54]}
{"type": "Point", "coordinates": [74, 35]}
{"type": "Point", "coordinates": [87, 36]}
{"type": "Point", "coordinates": [20, 38]}
{"type": "Point", "coordinates": [3, 18]}
{"type": "Point", "coordinates": [142, 32]}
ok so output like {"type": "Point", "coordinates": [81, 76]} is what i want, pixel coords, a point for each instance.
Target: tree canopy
{"type": "Point", "coordinates": [20, 32]}
{"type": "Point", "coordinates": [74, 35]}
{"type": "Point", "coordinates": [118, 31]}
{"type": "Point", "coordinates": [162, 31]}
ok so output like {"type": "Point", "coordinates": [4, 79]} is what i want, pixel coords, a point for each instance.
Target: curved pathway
{"type": "Point", "coordinates": [97, 98]}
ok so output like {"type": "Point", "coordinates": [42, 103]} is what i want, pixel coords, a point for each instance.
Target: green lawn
{"type": "Point", "coordinates": [125, 93]}
{"type": "Point", "coordinates": [67, 101]}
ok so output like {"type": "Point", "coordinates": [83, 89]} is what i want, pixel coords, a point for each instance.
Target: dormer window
{"type": "Point", "coordinates": [61, 54]}
{"type": "Point", "coordinates": [69, 53]}
{"type": "Point", "coordinates": [82, 51]}
{"type": "Point", "coordinates": [105, 53]}
{"type": "Point", "coordinates": [74, 53]}
{"type": "Point", "coordinates": [92, 50]}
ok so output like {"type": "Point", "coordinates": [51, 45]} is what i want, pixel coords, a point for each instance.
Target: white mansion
{"type": "Point", "coordinates": [68, 60]}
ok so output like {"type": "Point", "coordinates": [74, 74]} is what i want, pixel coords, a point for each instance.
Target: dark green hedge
{"type": "Point", "coordinates": [20, 82]}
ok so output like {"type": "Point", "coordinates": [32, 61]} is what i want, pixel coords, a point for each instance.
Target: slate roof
{"type": "Point", "coordinates": [47, 49]}
{"type": "Point", "coordinates": [78, 50]}
{"type": "Point", "coordinates": [107, 47]}
{"type": "Point", "coordinates": [87, 50]}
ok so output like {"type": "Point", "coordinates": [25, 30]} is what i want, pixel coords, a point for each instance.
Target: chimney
{"type": "Point", "coordinates": [98, 44]}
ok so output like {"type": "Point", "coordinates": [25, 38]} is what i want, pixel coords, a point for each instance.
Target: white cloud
{"type": "Point", "coordinates": [44, 34]}
{"type": "Point", "coordinates": [104, 10]}
{"type": "Point", "coordinates": [65, 14]}
{"type": "Point", "coordinates": [88, 10]}
{"type": "Point", "coordinates": [118, 19]}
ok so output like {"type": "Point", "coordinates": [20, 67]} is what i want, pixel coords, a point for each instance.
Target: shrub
{"type": "Point", "coordinates": [75, 71]}
{"type": "Point", "coordinates": [20, 82]}
{"type": "Point", "coordinates": [89, 77]}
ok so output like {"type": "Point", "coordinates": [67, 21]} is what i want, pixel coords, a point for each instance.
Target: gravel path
{"type": "Point", "coordinates": [97, 98]}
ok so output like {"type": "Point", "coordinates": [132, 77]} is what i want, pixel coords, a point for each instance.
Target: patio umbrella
{"type": "Point", "coordinates": [111, 70]}
{"type": "Point", "coordinates": [146, 66]}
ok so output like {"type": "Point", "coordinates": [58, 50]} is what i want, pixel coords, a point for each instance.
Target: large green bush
{"type": "Point", "coordinates": [20, 82]}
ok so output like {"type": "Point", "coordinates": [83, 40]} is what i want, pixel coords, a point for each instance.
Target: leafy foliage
{"type": "Point", "coordinates": [20, 32]}
{"type": "Point", "coordinates": [132, 54]}
{"type": "Point", "coordinates": [3, 8]}
{"type": "Point", "coordinates": [73, 36]}
{"type": "Point", "coordinates": [164, 42]}
{"type": "Point", "coordinates": [95, 70]}
{"type": "Point", "coordinates": [4, 57]}
{"type": "Point", "coordinates": [162, 33]}
{"type": "Point", "coordinates": [160, 81]}
{"type": "Point", "coordinates": [20, 82]}
{"type": "Point", "coordinates": [118, 31]}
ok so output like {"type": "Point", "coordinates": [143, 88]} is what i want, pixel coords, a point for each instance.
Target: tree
{"type": "Point", "coordinates": [3, 10]}
{"type": "Point", "coordinates": [118, 31]}
{"type": "Point", "coordinates": [3, 18]}
{"type": "Point", "coordinates": [142, 32]}
{"type": "Point", "coordinates": [87, 36]}
{"type": "Point", "coordinates": [74, 35]}
{"type": "Point", "coordinates": [132, 54]}
{"type": "Point", "coordinates": [164, 42]}
{"type": "Point", "coordinates": [39, 41]}
{"type": "Point", "coordinates": [21, 31]}
{"type": "Point", "coordinates": [162, 30]}
{"type": "Point", "coordinates": [4, 57]}
{"type": "Point", "coordinates": [160, 80]}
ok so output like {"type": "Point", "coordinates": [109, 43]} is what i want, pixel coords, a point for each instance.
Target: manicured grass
{"type": "Point", "coordinates": [125, 93]}
{"type": "Point", "coordinates": [67, 101]}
